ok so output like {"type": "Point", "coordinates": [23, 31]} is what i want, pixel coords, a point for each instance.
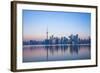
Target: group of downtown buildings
{"type": "Point", "coordinates": [52, 40]}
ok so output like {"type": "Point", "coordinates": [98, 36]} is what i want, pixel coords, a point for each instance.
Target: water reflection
{"type": "Point", "coordinates": [74, 49]}
{"type": "Point", "coordinates": [55, 52]}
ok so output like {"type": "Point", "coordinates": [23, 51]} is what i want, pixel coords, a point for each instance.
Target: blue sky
{"type": "Point", "coordinates": [35, 24]}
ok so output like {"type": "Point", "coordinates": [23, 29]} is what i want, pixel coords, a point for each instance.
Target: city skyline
{"type": "Point", "coordinates": [37, 23]}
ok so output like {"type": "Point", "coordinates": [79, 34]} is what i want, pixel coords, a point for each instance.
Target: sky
{"type": "Point", "coordinates": [36, 23]}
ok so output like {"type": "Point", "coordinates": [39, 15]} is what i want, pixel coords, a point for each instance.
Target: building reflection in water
{"type": "Point", "coordinates": [55, 53]}
{"type": "Point", "coordinates": [74, 49]}
{"type": "Point", "coordinates": [56, 48]}
{"type": "Point", "coordinates": [62, 48]}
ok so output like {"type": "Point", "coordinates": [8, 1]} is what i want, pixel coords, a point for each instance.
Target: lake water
{"type": "Point", "coordinates": [40, 53]}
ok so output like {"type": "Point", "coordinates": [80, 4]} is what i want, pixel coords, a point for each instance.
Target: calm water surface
{"type": "Point", "coordinates": [36, 53]}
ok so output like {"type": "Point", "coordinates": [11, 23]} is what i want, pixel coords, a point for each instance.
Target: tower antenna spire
{"type": "Point", "coordinates": [47, 32]}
